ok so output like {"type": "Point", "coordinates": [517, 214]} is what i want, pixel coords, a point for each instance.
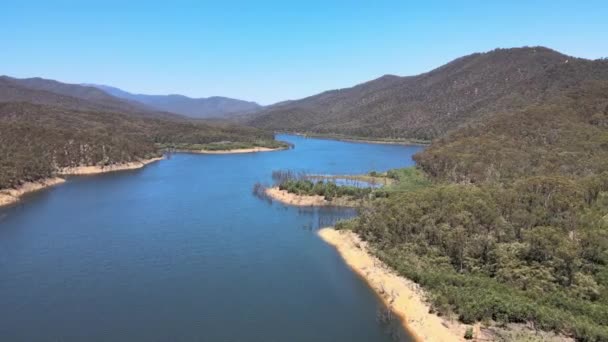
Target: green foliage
{"type": "Point", "coordinates": [468, 335]}
{"type": "Point", "coordinates": [223, 145]}
{"type": "Point", "coordinates": [407, 179]}
{"type": "Point", "coordinates": [431, 105]}
{"type": "Point", "coordinates": [515, 226]}
{"type": "Point", "coordinates": [559, 137]}
{"type": "Point", "coordinates": [327, 189]}
{"type": "Point", "coordinates": [535, 251]}
{"type": "Point", "coordinates": [37, 140]}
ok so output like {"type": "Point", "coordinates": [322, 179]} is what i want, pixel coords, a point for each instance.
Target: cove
{"type": "Point", "coordinates": [181, 250]}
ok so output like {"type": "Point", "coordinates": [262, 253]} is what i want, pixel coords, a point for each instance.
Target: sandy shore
{"type": "Point", "coordinates": [404, 297]}
{"type": "Point", "coordinates": [288, 198]}
{"type": "Point", "coordinates": [9, 196]}
{"type": "Point", "coordinates": [239, 150]}
{"type": "Point", "coordinates": [292, 199]}
{"type": "Point", "coordinates": [91, 170]}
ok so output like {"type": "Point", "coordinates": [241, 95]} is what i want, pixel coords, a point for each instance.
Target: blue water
{"type": "Point", "coordinates": [181, 250]}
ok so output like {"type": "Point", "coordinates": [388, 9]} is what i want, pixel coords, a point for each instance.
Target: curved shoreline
{"type": "Point", "coordinates": [288, 198]}
{"type": "Point", "coordinates": [235, 151]}
{"type": "Point", "coordinates": [10, 196]}
{"type": "Point", "coordinates": [402, 296]}
{"type": "Point", "coordinates": [92, 170]}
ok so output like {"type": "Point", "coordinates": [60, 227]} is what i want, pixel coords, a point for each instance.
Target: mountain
{"type": "Point", "coordinates": [43, 91]}
{"type": "Point", "coordinates": [47, 125]}
{"type": "Point", "coordinates": [431, 104]}
{"type": "Point", "coordinates": [514, 227]}
{"type": "Point", "coordinates": [200, 108]}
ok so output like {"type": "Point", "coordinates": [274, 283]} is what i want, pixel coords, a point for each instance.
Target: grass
{"type": "Point", "coordinates": [393, 181]}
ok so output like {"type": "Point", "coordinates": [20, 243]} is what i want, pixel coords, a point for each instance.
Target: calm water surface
{"type": "Point", "coordinates": [181, 250]}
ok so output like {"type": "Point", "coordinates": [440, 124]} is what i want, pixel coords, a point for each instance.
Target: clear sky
{"type": "Point", "coordinates": [269, 51]}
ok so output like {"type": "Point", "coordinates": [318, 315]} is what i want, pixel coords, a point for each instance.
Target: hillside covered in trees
{"type": "Point", "coordinates": [514, 227]}
{"type": "Point", "coordinates": [42, 131]}
{"type": "Point", "coordinates": [427, 106]}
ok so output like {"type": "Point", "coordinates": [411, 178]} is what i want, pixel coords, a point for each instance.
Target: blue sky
{"type": "Point", "coordinates": [269, 51]}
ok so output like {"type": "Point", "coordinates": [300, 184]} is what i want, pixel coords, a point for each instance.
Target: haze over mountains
{"type": "Point", "coordinates": [73, 96]}
{"type": "Point", "coordinates": [431, 104]}
{"type": "Point", "coordinates": [217, 107]}
{"type": "Point", "coordinates": [101, 97]}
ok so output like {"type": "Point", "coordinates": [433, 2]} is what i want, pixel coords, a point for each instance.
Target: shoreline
{"type": "Point", "coordinates": [288, 198]}
{"type": "Point", "coordinates": [234, 151]}
{"type": "Point", "coordinates": [402, 296]}
{"type": "Point", "coordinates": [93, 170]}
{"type": "Point", "coordinates": [11, 196]}
{"type": "Point", "coordinates": [360, 139]}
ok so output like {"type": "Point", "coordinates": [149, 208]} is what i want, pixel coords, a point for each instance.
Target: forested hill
{"type": "Point", "coordinates": [429, 105]}
{"type": "Point", "coordinates": [216, 107]}
{"type": "Point", "coordinates": [567, 135]}
{"type": "Point", "coordinates": [42, 131]}
{"type": "Point", "coordinates": [514, 226]}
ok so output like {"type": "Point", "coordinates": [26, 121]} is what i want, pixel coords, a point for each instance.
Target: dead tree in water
{"type": "Point", "coordinates": [259, 190]}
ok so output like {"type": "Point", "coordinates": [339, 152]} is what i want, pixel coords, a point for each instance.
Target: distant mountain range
{"type": "Point", "coordinates": [432, 104]}
{"type": "Point", "coordinates": [216, 107]}
{"type": "Point", "coordinates": [72, 96]}
{"type": "Point", "coordinates": [47, 125]}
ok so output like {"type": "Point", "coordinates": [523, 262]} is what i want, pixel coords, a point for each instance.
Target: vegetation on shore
{"type": "Point", "coordinates": [431, 105]}
{"type": "Point", "coordinates": [328, 189]}
{"type": "Point", "coordinates": [42, 131]}
{"type": "Point", "coordinates": [224, 145]}
{"type": "Point", "coordinates": [514, 226]}
{"type": "Point", "coordinates": [363, 139]}
{"type": "Point", "coordinates": [357, 187]}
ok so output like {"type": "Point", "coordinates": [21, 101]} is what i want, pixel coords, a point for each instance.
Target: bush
{"type": "Point", "coordinates": [468, 335]}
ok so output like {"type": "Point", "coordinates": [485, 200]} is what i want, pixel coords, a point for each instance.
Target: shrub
{"type": "Point", "coordinates": [468, 335]}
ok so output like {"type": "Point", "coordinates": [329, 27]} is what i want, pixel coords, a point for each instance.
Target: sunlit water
{"type": "Point", "coordinates": [181, 250]}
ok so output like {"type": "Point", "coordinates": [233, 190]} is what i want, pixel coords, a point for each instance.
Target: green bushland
{"type": "Point", "coordinates": [224, 145]}
{"type": "Point", "coordinates": [535, 252]}
{"type": "Point", "coordinates": [37, 140]}
{"type": "Point", "coordinates": [402, 180]}
{"type": "Point", "coordinates": [406, 179]}
{"type": "Point", "coordinates": [513, 225]}
{"type": "Point", "coordinates": [327, 189]}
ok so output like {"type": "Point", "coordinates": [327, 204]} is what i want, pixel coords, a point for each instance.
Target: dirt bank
{"type": "Point", "coordinates": [402, 296]}
{"type": "Point", "coordinates": [91, 170]}
{"type": "Point", "coordinates": [9, 196]}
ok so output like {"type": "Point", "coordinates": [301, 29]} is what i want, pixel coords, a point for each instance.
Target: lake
{"type": "Point", "coordinates": [182, 250]}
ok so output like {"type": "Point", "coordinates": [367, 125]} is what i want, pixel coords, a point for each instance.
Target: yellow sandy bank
{"type": "Point", "coordinates": [9, 196]}
{"type": "Point", "coordinates": [91, 170]}
{"type": "Point", "coordinates": [402, 296]}
{"type": "Point", "coordinates": [240, 150]}
{"type": "Point", "coordinates": [288, 198]}
{"type": "Point", "coordinates": [297, 200]}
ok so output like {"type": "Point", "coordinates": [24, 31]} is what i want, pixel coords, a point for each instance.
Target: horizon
{"type": "Point", "coordinates": [275, 52]}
